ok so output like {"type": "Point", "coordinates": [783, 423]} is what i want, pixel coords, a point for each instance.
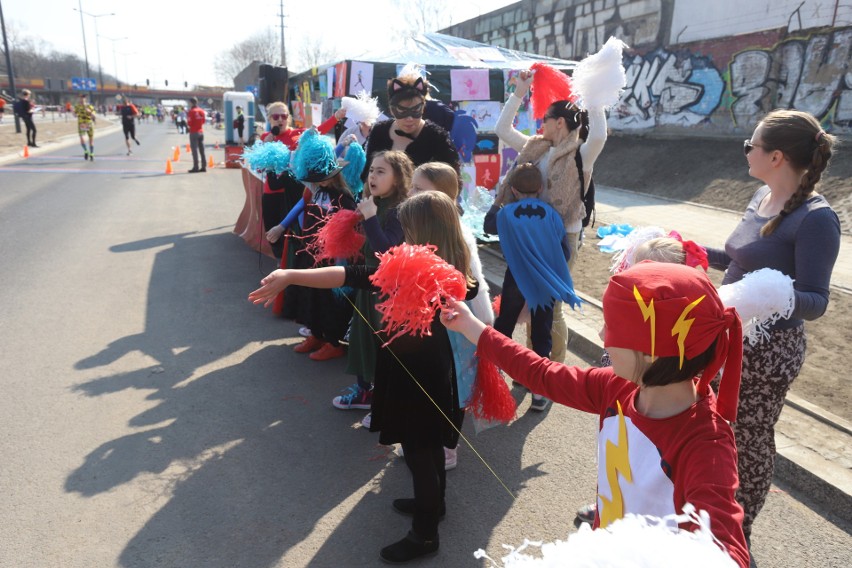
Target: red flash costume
{"type": "Point", "coordinates": [653, 466]}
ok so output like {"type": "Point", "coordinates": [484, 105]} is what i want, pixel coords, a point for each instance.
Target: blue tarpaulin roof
{"type": "Point", "coordinates": [441, 49]}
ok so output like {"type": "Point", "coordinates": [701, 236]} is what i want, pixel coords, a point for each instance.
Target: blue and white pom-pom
{"type": "Point", "coordinates": [315, 153]}
{"type": "Point", "coordinates": [361, 108]}
{"type": "Point", "coordinates": [355, 159]}
{"type": "Point", "coordinates": [268, 157]}
{"type": "Point", "coordinates": [635, 541]}
{"type": "Point", "coordinates": [599, 79]}
{"type": "Point", "coordinates": [761, 298]}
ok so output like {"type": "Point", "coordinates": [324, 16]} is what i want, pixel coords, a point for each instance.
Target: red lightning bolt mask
{"type": "Point", "coordinates": [672, 310]}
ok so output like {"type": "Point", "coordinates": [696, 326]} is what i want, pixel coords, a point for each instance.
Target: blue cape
{"type": "Point", "coordinates": [531, 234]}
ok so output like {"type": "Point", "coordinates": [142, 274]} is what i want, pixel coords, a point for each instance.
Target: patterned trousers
{"type": "Point", "coordinates": [769, 369]}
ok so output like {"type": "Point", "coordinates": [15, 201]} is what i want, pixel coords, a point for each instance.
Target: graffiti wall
{"type": "Point", "coordinates": [686, 69]}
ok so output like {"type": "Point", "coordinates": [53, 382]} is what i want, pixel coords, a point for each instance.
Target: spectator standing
{"type": "Point", "coordinates": [196, 118]}
{"type": "Point", "coordinates": [24, 109]}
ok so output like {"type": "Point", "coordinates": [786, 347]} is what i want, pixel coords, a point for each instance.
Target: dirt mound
{"type": "Point", "coordinates": [714, 172]}
{"type": "Point", "coordinates": [708, 171]}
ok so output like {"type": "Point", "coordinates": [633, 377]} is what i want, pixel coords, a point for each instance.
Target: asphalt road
{"type": "Point", "coordinates": [151, 416]}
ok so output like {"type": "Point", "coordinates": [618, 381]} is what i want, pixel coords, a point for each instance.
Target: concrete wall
{"type": "Point", "coordinates": [711, 67]}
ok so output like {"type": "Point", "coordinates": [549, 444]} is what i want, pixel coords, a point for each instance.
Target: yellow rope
{"type": "Point", "coordinates": [462, 436]}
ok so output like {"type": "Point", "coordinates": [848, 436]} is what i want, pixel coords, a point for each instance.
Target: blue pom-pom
{"type": "Point", "coordinates": [357, 159]}
{"type": "Point", "coordinates": [268, 156]}
{"type": "Point", "coordinates": [314, 154]}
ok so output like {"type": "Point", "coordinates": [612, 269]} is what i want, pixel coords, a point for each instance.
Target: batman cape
{"type": "Point", "coordinates": [531, 235]}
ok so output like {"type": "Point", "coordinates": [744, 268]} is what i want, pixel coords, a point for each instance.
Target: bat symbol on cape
{"type": "Point", "coordinates": [530, 211]}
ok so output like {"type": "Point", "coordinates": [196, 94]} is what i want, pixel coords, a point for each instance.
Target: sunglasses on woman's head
{"type": "Point", "coordinates": [279, 116]}
{"type": "Point", "coordinates": [748, 146]}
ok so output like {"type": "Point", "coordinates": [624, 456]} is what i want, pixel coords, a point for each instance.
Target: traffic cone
{"type": "Point", "coordinates": [168, 167]}
{"type": "Point", "coordinates": [210, 163]}
{"type": "Point", "coordinates": [187, 149]}
{"type": "Point", "coordinates": [26, 151]}
{"type": "Point", "coordinates": [176, 156]}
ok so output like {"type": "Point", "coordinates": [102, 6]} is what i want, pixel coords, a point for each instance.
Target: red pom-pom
{"type": "Point", "coordinates": [417, 283]}
{"type": "Point", "coordinates": [548, 86]}
{"type": "Point", "coordinates": [491, 399]}
{"type": "Point", "coordinates": [495, 304]}
{"type": "Point", "coordinates": [338, 238]}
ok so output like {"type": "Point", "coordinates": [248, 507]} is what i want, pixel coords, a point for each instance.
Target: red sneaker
{"type": "Point", "coordinates": [328, 351]}
{"type": "Point", "coordinates": [310, 344]}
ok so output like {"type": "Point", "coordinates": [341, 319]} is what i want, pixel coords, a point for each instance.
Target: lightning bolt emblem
{"type": "Point", "coordinates": [617, 461]}
{"type": "Point", "coordinates": [682, 326]}
{"type": "Point", "coordinates": [648, 312]}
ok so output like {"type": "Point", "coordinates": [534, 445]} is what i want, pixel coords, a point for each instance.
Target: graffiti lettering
{"type": "Point", "coordinates": [806, 74]}
{"type": "Point", "coordinates": [664, 88]}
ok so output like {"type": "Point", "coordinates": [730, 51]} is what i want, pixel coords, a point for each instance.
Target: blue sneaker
{"type": "Point", "coordinates": [355, 398]}
{"type": "Point", "coordinates": [539, 403]}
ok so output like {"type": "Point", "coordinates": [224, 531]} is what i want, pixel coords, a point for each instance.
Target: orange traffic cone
{"type": "Point", "coordinates": [168, 167]}
{"type": "Point", "coordinates": [187, 149]}
{"type": "Point", "coordinates": [176, 156]}
{"type": "Point", "coordinates": [210, 163]}
{"type": "Point", "coordinates": [26, 151]}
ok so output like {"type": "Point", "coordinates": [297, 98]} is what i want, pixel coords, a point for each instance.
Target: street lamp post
{"type": "Point", "coordinates": [97, 44]}
{"type": "Point", "coordinates": [114, 60]}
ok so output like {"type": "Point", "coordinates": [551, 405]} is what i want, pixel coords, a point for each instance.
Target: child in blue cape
{"type": "Point", "coordinates": [532, 236]}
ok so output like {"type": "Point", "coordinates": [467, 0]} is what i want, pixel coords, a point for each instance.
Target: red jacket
{"type": "Point", "coordinates": [195, 118]}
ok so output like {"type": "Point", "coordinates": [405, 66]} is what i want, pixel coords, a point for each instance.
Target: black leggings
{"type": "Point", "coordinates": [430, 483]}
{"type": "Point", "coordinates": [31, 129]}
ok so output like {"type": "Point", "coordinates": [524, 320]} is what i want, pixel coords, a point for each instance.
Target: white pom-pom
{"type": "Point", "coordinates": [362, 107]}
{"type": "Point", "coordinates": [599, 79]}
{"type": "Point", "coordinates": [632, 542]}
{"type": "Point", "coordinates": [761, 298]}
{"type": "Point", "coordinates": [627, 257]}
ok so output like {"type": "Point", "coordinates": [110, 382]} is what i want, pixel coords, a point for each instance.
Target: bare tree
{"type": "Point", "coordinates": [264, 46]}
{"type": "Point", "coordinates": [313, 52]}
{"type": "Point", "coordinates": [422, 16]}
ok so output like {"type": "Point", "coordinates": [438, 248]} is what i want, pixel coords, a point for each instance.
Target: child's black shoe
{"type": "Point", "coordinates": [411, 547]}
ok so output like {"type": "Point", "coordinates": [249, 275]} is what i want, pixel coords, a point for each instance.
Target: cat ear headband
{"type": "Point", "coordinates": [399, 91]}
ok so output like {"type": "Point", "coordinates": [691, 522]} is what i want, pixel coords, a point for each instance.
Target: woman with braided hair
{"type": "Point", "coordinates": [790, 227]}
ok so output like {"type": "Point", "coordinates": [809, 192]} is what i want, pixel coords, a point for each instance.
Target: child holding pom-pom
{"type": "Point", "coordinates": [327, 313]}
{"type": "Point", "coordinates": [663, 438]}
{"type": "Point", "coordinates": [402, 412]}
{"type": "Point", "coordinates": [386, 188]}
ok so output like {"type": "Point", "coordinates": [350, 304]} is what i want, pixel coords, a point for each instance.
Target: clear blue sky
{"type": "Point", "coordinates": [179, 41]}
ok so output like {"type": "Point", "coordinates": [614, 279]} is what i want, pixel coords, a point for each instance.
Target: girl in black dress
{"type": "Point", "coordinates": [402, 412]}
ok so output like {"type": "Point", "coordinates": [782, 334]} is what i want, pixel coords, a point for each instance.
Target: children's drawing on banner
{"type": "Point", "coordinates": [464, 134]}
{"type": "Point", "coordinates": [508, 155]}
{"type": "Point", "coordinates": [323, 86]}
{"type": "Point", "coordinates": [469, 85]}
{"type": "Point", "coordinates": [299, 114]}
{"type": "Point", "coordinates": [485, 113]}
{"type": "Point", "coordinates": [509, 82]}
{"type": "Point", "coordinates": [316, 114]}
{"type": "Point", "coordinates": [468, 179]}
{"type": "Point", "coordinates": [487, 170]}
{"type": "Point", "coordinates": [340, 79]}
{"type": "Point", "coordinates": [306, 92]}
{"type": "Point", "coordinates": [361, 78]}
{"type": "Point", "coordinates": [486, 144]}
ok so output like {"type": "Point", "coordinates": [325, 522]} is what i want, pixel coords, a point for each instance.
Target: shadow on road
{"type": "Point", "coordinates": [254, 466]}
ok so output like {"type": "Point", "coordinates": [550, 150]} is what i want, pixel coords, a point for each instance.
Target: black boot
{"type": "Point", "coordinates": [411, 547]}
